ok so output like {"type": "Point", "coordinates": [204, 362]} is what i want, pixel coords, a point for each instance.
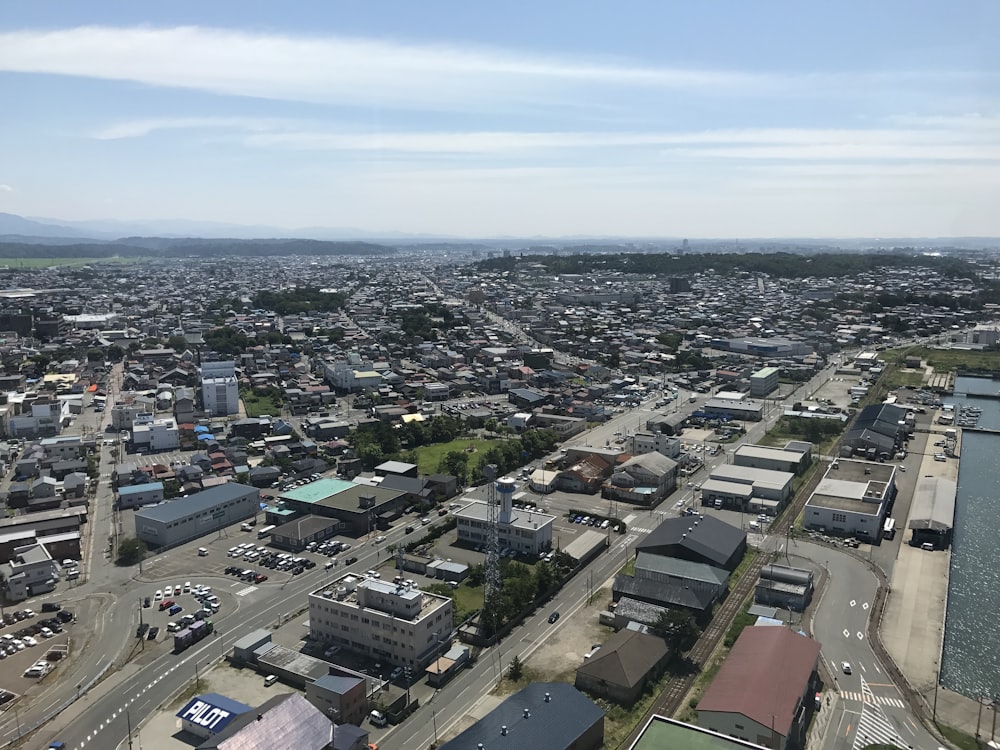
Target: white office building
{"type": "Point", "coordinates": [852, 499]}
{"type": "Point", "coordinates": [526, 532]}
{"type": "Point", "coordinates": [394, 623]}
{"type": "Point", "coordinates": [220, 392]}
{"type": "Point", "coordinates": [155, 434]}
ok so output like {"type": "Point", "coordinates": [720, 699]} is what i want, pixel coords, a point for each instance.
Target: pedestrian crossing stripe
{"type": "Point", "coordinates": [247, 590]}
{"type": "Point", "coordinates": [874, 726]}
{"type": "Point", "coordinates": [641, 531]}
{"type": "Point", "coordinates": [878, 699]}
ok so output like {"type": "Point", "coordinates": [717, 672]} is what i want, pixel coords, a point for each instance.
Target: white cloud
{"type": "Point", "coordinates": [145, 127]}
{"type": "Point", "coordinates": [932, 144]}
{"type": "Point", "coordinates": [6, 188]}
{"type": "Point", "coordinates": [328, 69]}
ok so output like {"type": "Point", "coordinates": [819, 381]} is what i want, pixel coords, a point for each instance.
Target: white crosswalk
{"type": "Point", "coordinates": [853, 695]}
{"type": "Point", "coordinates": [247, 590]}
{"type": "Point", "coordinates": [639, 530]}
{"type": "Point", "coordinates": [874, 726]}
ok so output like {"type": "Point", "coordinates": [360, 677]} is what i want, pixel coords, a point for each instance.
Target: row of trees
{"type": "Point", "coordinates": [506, 456]}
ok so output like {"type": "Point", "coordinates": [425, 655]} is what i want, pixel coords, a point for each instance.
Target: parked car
{"type": "Point", "coordinates": [153, 632]}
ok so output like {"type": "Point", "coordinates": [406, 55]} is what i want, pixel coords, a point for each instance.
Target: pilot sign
{"type": "Point", "coordinates": [209, 714]}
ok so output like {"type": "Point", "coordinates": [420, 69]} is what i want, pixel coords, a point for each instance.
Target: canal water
{"type": "Point", "coordinates": [971, 660]}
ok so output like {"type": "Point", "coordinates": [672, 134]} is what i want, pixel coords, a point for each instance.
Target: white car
{"type": "Point", "coordinates": [29, 641]}
{"type": "Point", "coordinates": [187, 587]}
{"type": "Point", "coordinates": [168, 591]}
{"type": "Point", "coordinates": [46, 633]}
{"type": "Point", "coordinates": [29, 613]}
{"type": "Point", "coordinates": [379, 539]}
{"type": "Point", "coordinates": [846, 666]}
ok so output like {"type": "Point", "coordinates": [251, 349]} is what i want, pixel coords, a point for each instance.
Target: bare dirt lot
{"type": "Point", "coordinates": [565, 643]}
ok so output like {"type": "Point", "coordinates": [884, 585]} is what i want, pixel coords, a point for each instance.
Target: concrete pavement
{"type": "Point", "coordinates": [913, 619]}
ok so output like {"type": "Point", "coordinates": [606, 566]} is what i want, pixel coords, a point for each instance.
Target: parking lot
{"type": "Point", "coordinates": [27, 638]}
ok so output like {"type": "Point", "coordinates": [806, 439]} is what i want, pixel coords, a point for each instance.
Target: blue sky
{"type": "Point", "coordinates": [645, 119]}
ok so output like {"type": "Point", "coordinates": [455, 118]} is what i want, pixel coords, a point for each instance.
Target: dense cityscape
{"type": "Point", "coordinates": [418, 499]}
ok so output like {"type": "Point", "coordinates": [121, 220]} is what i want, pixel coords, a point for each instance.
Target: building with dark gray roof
{"type": "Point", "coordinates": [703, 539]}
{"type": "Point", "coordinates": [550, 715]}
{"type": "Point", "coordinates": [181, 520]}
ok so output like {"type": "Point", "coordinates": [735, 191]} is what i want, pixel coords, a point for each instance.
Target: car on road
{"type": "Point", "coordinates": [350, 560]}
{"type": "Point", "coordinates": [379, 539]}
{"type": "Point", "coordinates": [329, 564]}
{"type": "Point", "coordinates": [396, 674]}
{"type": "Point", "coordinates": [425, 520]}
{"type": "Point", "coordinates": [553, 617]}
{"type": "Point", "coordinates": [846, 666]}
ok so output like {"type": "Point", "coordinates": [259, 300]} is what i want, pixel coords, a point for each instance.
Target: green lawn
{"type": "Point", "coordinates": [49, 262]}
{"type": "Point", "coordinates": [429, 456]}
{"type": "Point", "coordinates": [257, 406]}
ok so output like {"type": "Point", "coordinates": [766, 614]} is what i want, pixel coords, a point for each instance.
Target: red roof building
{"type": "Point", "coordinates": [765, 690]}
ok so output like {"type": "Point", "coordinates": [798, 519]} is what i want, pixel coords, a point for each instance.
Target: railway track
{"type": "Point", "coordinates": [669, 701]}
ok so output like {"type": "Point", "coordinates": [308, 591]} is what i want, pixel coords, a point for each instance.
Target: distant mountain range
{"type": "Point", "coordinates": [41, 229]}
{"type": "Point", "coordinates": [44, 231]}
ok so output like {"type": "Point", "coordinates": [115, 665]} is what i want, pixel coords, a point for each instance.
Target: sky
{"type": "Point", "coordinates": [639, 119]}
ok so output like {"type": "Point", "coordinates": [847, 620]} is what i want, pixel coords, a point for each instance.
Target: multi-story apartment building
{"type": "Point", "coordinates": [393, 622]}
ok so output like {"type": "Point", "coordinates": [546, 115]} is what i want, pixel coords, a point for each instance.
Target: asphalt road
{"type": "Point", "coordinates": [100, 718]}
{"type": "Point", "coordinates": [869, 708]}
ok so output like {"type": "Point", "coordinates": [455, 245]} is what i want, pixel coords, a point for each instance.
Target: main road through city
{"type": "Point", "coordinates": [867, 704]}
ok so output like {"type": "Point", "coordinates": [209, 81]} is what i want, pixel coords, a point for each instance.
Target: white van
{"type": "Point", "coordinates": [378, 718]}
{"type": "Point", "coordinates": [202, 552]}
{"type": "Point", "coordinates": [270, 680]}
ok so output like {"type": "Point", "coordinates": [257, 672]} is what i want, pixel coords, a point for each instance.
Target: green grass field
{"type": "Point", "coordinates": [429, 456]}
{"type": "Point", "coordinates": [49, 262]}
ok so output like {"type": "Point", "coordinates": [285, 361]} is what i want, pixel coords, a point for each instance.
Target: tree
{"type": "Point", "coordinates": [130, 551]}
{"type": "Point", "coordinates": [515, 669]}
{"type": "Point", "coordinates": [677, 628]}
{"type": "Point", "coordinates": [95, 355]}
{"type": "Point", "coordinates": [456, 463]}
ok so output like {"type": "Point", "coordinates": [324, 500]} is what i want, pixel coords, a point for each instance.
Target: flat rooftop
{"type": "Point", "coordinates": [521, 519]}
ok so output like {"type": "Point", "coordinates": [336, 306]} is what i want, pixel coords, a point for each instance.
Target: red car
{"type": "Point", "coordinates": [260, 578]}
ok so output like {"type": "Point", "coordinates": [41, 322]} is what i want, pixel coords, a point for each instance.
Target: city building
{"type": "Point", "coordinates": [747, 489]}
{"type": "Point", "coordinates": [395, 623]}
{"type": "Point", "coordinates": [204, 716]}
{"type": "Point", "coordinates": [286, 720]}
{"type": "Point", "coordinates": [220, 394]}
{"type": "Point", "coordinates": [155, 434]}
{"type": "Point", "coordinates": [549, 715]}
{"type": "Point", "coordinates": [932, 512]}
{"type": "Point", "coordinates": [183, 519]}
{"type": "Point", "coordinates": [764, 691]}
{"type": "Point", "coordinates": [781, 586]}
{"type": "Point", "coordinates": [663, 732]}
{"type": "Point", "coordinates": [137, 495]}
{"type": "Point", "coordinates": [852, 499]}
{"type": "Point", "coordinates": [341, 695]}
{"type": "Point", "coordinates": [526, 531]}
{"type": "Point", "coordinates": [625, 664]}
{"type": "Point", "coordinates": [764, 382]}
{"type": "Point", "coordinates": [31, 571]}
{"type": "Point", "coordinates": [795, 456]}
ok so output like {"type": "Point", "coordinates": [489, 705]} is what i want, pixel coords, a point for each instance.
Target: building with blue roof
{"type": "Point", "coordinates": [183, 519]}
{"type": "Point", "coordinates": [206, 715]}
